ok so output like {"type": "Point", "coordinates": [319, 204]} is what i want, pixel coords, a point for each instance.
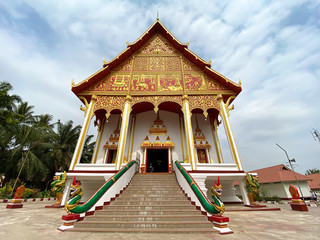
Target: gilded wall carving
{"type": "Point", "coordinates": [195, 82]}
{"type": "Point", "coordinates": [215, 86]}
{"type": "Point", "coordinates": [143, 83]}
{"type": "Point", "coordinates": [173, 64]}
{"type": "Point", "coordinates": [157, 64]}
{"type": "Point", "coordinates": [157, 44]}
{"type": "Point", "coordinates": [118, 83]}
{"type": "Point", "coordinates": [189, 66]}
{"type": "Point", "coordinates": [203, 102]}
{"type": "Point", "coordinates": [157, 68]}
{"type": "Point", "coordinates": [140, 64]}
{"type": "Point", "coordinates": [124, 67]}
{"type": "Point", "coordinates": [99, 87]}
{"type": "Point", "coordinates": [157, 100]}
{"type": "Point", "coordinates": [170, 82]}
{"type": "Point", "coordinates": [109, 103]}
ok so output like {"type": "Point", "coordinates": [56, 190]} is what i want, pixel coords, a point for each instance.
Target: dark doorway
{"type": "Point", "coordinates": [157, 160]}
{"type": "Point", "coordinates": [112, 156]}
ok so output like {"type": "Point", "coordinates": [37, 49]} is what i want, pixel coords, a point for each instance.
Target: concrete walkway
{"type": "Point", "coordinates": [33, 221]}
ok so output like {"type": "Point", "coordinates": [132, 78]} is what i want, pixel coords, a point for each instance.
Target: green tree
{"type": "Point", "coordinates": [64, 143]}
{"type": "Point", "coordinates": [8, 122]}
{"type": "Point", "coordinates": [312, 171]}
{"type": "Point", "coordinates": [88, 149]}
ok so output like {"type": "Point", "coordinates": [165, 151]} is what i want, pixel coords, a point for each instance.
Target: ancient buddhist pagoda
{"type": "Point", "coordinates": [157, 102]}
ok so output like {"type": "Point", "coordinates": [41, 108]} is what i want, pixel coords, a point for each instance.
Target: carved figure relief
{"type": "Point", "coordinates": [170, 83]}
{"type": "Point", "coordinates": [195, 82]}
{"type": "Point", "coordinates": [118, 83]}
{"type": "Point", "coordinates": [143, 82]}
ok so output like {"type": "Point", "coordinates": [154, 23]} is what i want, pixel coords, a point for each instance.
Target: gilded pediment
{"type": "Point", "coordinates": [156, 64]}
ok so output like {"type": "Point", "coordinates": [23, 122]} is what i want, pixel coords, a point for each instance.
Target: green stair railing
{"type": "Point", "coordinates": [102, 190]}
{"type": "Point", "coordinates": [212, 208]}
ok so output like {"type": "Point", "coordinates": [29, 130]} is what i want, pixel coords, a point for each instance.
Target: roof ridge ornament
{"type": "Point", "coordinates": [157, 14]}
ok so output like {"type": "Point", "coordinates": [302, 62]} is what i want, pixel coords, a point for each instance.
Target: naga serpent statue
{"type": "Point", "coordinates": [57, 186]}
{"type": "Point", "coordinates": [216, 192]}
{"type": "Point", "coordinates": [76, 195]}
{"type": "Point", "coordinates": [252, 187]}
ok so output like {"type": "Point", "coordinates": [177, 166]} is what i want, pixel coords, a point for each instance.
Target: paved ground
{"type": "Point", "coordinates": [33, 221]}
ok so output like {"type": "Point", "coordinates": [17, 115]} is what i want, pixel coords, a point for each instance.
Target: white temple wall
{"type": "Point", "coordinates": [205, 127]}
{"type": "Point", "coordinates": [109, 127]}
{"type": "Point", "coordinates": [170, 120]}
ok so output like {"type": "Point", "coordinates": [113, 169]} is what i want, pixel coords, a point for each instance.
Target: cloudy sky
{"type": "Point", "coordinates": [272, 46]}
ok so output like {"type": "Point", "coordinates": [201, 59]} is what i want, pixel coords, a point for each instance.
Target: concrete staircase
{"type": "Point", "coordinates": [151, 203]}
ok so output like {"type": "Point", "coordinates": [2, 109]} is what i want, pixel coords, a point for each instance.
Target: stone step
{"type": "Point", "coordinates": [143, 224]}
{"type": "Point", "coordinates": [150, 192]}
{"type": "Point", "coordinates": [158, 183]}
{"type": "Point", "coordinates": [147, 212]}
{"type": "Point", "coordinates": [156, 207]}
{"type": "Point", "coordinates": [147, 230]}
{"type": "Point", "coordinates": [144, 198]}
{"type": "Point", "coordinates": [151, 203]}
{"type": "Point", "coordinates": [154, 187]}
{"type": "Point", "coordinates": [135, 218]}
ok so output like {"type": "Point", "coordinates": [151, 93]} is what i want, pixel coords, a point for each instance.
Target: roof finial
{"type": "Point", "coordinates": [158, 15]}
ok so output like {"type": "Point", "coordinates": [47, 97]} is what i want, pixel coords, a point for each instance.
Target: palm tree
{"type": "Point", "coordinates": [88, 149]}
{"type": "Point", "coordinates": [26, 161]}
{"type": "Point", "coordinates": [24, 112]}
{"type": "Point", "coordinates": [6, 104]}
{"type": "Point", "coordinates": [312, 171]}
{"type": "Point", "coordinates": [64, 143]}
{"type": "Point", "coordinates": [8, 122]}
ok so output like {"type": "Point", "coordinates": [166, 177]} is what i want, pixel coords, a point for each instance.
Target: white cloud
{"type": "Point", "coordinates": [275, 54]}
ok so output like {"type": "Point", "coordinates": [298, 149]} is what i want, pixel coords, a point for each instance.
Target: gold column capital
{"type": "Point", "coordinates": [94, 98]}
{"type": "Point", "coordinates": [219, 98]}
{"type": "Point", "coordinates": [185, 97]}
{"type": "Point", "coordinates": [128, 98]}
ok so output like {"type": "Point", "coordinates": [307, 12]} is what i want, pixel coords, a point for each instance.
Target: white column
{"type": "Point", "coordinates": [216, 141]}
{"type": "Point", "coordinates": [242, 186]}
{"type": "Point", "coordinates": [228, 130]}
{"type": "Point", "coordinates": [66, 191]}
{"type": "Point", "coordinates": [98, 141]}
{"type": "Point", "coordinates": [189, 133]}
{"type": "Point", "coordinates": [209, 160]}
{"type": "Point", "coordinates": [84, 130]}
{"type": "Point", "coordinates": [123, 131]}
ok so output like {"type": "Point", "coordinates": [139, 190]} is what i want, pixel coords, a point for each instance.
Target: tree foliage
{"type": "Point", "coordinates": [312, 171]}
{"type": "Point", "coordinates": [32, 146]}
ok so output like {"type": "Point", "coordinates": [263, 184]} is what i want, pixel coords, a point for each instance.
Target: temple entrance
{"type": "Point", "coordinates": [157, 160]}
{"type": "Point", "coordinates": [111, 156]}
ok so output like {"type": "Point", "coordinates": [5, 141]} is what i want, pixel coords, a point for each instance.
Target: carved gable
{"type": "Point", "coordinates": [157, 68]}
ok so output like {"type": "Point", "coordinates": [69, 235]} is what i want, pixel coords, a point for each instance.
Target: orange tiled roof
{"type": "Point", "coordinates": [278, 173]}
{"type": "Point", "coordinates": [315, 183]}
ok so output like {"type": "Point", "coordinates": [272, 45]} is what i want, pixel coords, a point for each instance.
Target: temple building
{"type": "Point", "coordinates": [157, 102]}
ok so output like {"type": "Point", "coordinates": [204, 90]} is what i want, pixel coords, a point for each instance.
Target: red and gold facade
{"type": "Point", "coordinates": [157, 81]}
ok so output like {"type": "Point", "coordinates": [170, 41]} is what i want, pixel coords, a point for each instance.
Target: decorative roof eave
{"type": "Point", "coordinates": [223, 80]}
{"type": "Point", "coordinates": [157, 26]}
